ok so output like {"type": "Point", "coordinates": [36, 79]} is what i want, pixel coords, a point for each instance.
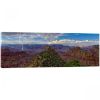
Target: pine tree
{"type": "Point", "coordinates": [48, 58]}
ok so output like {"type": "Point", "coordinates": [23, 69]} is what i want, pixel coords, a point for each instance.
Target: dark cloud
{"type": "Point", "coordinates": [26, 33]}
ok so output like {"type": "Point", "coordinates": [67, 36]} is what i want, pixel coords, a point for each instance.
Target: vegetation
{"type": "Point", "coordinates": [73, 63]}
{"type": "Point", "coordinates": [48, 58]}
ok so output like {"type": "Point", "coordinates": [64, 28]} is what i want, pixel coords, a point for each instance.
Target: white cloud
{"type": "Point", "coordinates": [25, 41]}
{"type": "Point", "coordinates": [70, 42]}
{"type": "Point", "coordinates": [29, 38]}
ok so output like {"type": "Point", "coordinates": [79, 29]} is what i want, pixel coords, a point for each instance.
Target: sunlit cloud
{"type": "Point", "coordinates": [70, 42]}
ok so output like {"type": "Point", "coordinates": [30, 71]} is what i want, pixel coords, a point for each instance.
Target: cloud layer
{"type": "Point", "coordinates": [70, 42]}
{"type": "Point", "coordinates": [45, 38]}
{"type": "Point", "coordinates": [35, 38]}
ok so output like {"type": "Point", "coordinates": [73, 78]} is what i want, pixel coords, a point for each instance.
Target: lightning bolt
{"type": "Point", "coordinates": [21, 42]}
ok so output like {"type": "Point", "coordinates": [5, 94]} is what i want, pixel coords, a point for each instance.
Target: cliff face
{"type": "Point", "coordinates": [11, 59]}
{"type": "Point", "coordinates": [51, 57]}
{"type": "Point", "coordinates": [86, 58]}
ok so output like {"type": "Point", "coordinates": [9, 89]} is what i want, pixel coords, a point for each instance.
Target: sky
{"type": "Point", "coordinates": [70, 39]}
